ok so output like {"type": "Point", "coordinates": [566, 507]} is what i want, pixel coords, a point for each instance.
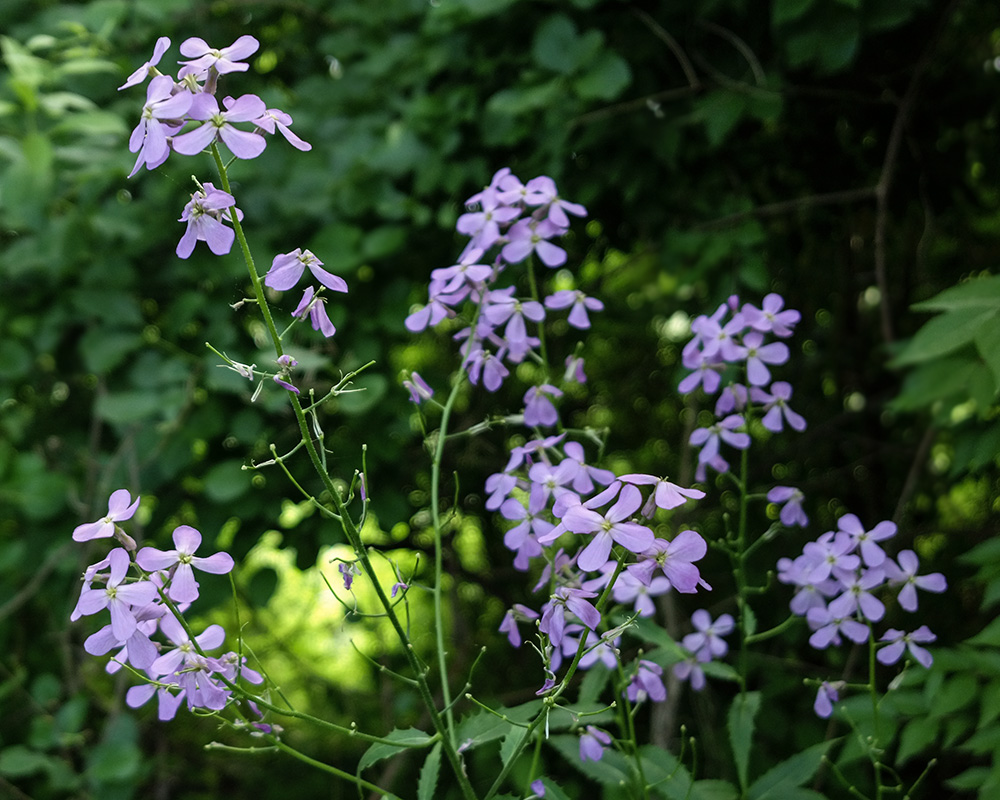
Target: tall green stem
{"type": "Point", "coordinates": [347, 523]}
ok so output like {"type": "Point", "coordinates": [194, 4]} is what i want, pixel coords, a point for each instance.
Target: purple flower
{"type": "Point", "coordinates": [722, 430]}
{"type": "Point", "coordinates": [578, 304]}
{"type": "Point", "coordinates": [583, 479]}
{"type": "Point", "coordinates": [484, 225]}
{"type": "Point", "coordinates": [565, 599]}
{"type": "Point", "coordinates": [509, 625]}
{"type": "Point", "coordinates": [665, 495]}
{"type": "Point", "coordinates": [203, 215]}
{"type": "Point", "coordinates": [609, 528]}
{"type": "Point", "coordinates": [140, 74]}
{"type": "Point", "coordinates": [527, 236]}
{"type": "Point", "coordinates": [828, 694]}
{"type": "Point", "coordinates": [647, 682]}
{"type": "Point", "coordinates": [827, 628]}
{"type": "Point", "coordinates": [676, 559]}
{"type": "Point", "coordinates": [858, 596]}
{"type": "Point", "coordinates": [275, 118]}
{"type": "Point", "coordinates": [119, 598]}
{"type": "Point", "coordinates": [791, 512]}
{"type": "Point", "coordinates": [482, 363]}
{"type": "Point", "coordinates": [420, 391]}
{"type": "Point", "coordinates": [467, 272]}
{"type": "Point", "coordinates": [183, 586]}
{"type": "Point", "coordinates": [574, 370]}
{"type": "Point", "coordinates": [120, 508]}
{"type": "Point", "coordinates": [904, 571]}
{"type": "Point", "coordinates": [161, 117]}
{"type": "Point", "coordinates": [706, 375]}
{"type": "Point", "coordinates": [706, 642]}
{"type": "Point", "coordinates": [758, 355]}
{"type": "Point", "coordinates": [592, 744]}
{"type": "Point", "coordinates": [690, 670]}
{"type": "Point", "coordinates": [217, 124]}
{"type": "Point", "coordinates": [871, 553]}
{"type": "Point", "coordinates": [770, 318]}
{"type": "Point", "coordinates": [287, 268]}
{"type": "Point", "coordinates": [900, 641]}
{"type": "Point", "coordinates": [224, 61]}
{"type": "Point", "coordinates": [541, 191]}
{"type": "Point", "coordinates": [831, 555]}
{"type": "Point", "coordinates": [629, 589]}
{"type": "Point", "coordinates": [315, 306]}
{"type": "Point", "coordinates": [776, 407]}
{"type": "Point", "coordinates": [538, 409]}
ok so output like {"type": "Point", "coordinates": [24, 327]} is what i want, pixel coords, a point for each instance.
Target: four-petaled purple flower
{"type": "Point", "coordinates": [218, 124]}
{"type": "Point", "coordinates": [120, 508]}
{"type": "Point", "coordinates": [204, 215]}
{"type": "Point", "coordinates": [183, 586]}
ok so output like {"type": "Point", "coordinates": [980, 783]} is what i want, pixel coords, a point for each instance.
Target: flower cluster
{"type": "Point", "coordinates": [577, 521]}
{"type": "Point", "coordinates": [162, 588]}
{"type": "Point", "coordinates": [733, 343]}
{"type": "Point", "coordinates": [512, 220]}
{"type": "Point", "coordinates": [838, 578]}
{"type": "Point", "coordinates": [190, 102]}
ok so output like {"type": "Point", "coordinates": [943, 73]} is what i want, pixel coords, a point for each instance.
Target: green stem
{"type": "Point", "coordinates": [347, 523]}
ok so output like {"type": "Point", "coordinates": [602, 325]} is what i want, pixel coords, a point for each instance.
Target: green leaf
{"type": "Point", "coordinates": [555, 44]}
{"type": "Point", "coordinates": [990, 635]}
{"type": "Point", "coordinates": [427, 784]}
{"type": "Point", "coordinates": [605, 79]}
{"type": "Point", "coordinates": [987, 341]}
{"type": "Point", "coordinates": [611, 770]}
{"type": "Point", "coordinates": [936, 380]}
{"type": "Point", "coordinates": [944, 334]}
{"type": "Point", "coordinates": [18, 761]}
{"type": "Point", "coordinates": [401, 740]}
{"type": "Point", "coordinates": [227, 481]}
{"type": "Point", "coordinates": [122, 408]}
{"type": "Point", "coordinates": [720, 111]}
{"type": "Point", "coordinates": [777, 781]}
{"type": "Point", "coordinates": [741, 724]}
{"type": "Point", "coordinates": [593, 683]}
{"type": "Point", "coordinates": [788, 10]}
{"type": "Point", "coordinates": [982, 293]}
{"type": "Point", "coordinates": [103, 349]}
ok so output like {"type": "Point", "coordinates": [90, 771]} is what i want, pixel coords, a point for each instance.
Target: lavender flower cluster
{"type": "Point", "coordinates": [836, 578]}
{"type": "Point", "coordinates": [516, 220]}
{"type": "Point", "coordinates": [162, 588]}
{"type": "Point", "coordinates": [722, 345]}
{"type": "Point", "coordinates": [171, 105]}
{"type": "Point", "coordinates": [567, 515]}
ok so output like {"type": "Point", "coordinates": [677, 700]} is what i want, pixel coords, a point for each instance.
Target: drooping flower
{"type": "Point", "coordinates": [183, 586]}
{"type": "Point", "coordinates": [592, 744]}
{"type": "Point", "coordinates": [275, 118]}
{"type": "Point", "coordinates": [287, 268]}
{"type": "Point", "coordinates": [538, 409]}
{"type": "Point", "coordinates": [791, 512]}
{"type": "Point", "coordinates": [137, 77]}
{"type": "Point", "coordinates": [647, 682]}
{"type": "Point", "coordinates": [724, 430]}
{"type": "Point", "coordinates": [315, 306]}
{"type": "Point", "coordinates": [419, 390]}
{"type": "Point", "coordinates": [776, 409]}
{"type": "Point", "coordinates": [204, 214]}
{"type": "Point", "coordinates": [828, 694]}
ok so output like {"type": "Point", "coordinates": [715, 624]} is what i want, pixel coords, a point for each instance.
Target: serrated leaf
{"type": "Point", "coordinates": [740, 722]}
{"type": "Point", "coordinates": [427, 784]}
{"type": "Point", "coordinates": [945, 334]}
{"type": "Point", "coordinates": [510, 744]}
{"type": "Point", "coordinates": [401, 740]}
{"type": "Point", "coordinates": [777, 781]}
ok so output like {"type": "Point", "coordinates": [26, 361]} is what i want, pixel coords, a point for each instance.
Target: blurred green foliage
{"type": "Point", "coordinates": [843, 153]}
